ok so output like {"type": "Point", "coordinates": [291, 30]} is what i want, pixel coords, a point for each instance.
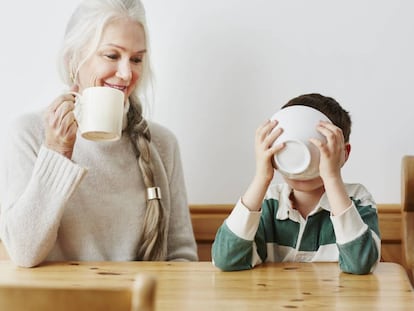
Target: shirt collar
{"type": "Point", "coordinates": [286, 211]}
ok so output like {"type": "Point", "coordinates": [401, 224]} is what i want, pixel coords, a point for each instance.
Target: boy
{"type": "Point", "coordinates": [322, 219]}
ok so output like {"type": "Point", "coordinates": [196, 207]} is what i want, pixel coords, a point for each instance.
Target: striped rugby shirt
{"type": "Point", "coordinates": [279, 233]}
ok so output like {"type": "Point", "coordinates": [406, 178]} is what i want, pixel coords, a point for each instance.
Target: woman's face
{"type": "Point", "coordinates": [117, 62]}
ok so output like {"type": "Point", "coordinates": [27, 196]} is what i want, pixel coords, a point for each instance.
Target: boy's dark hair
{"type": "Point", "coordinates": [328, 106]}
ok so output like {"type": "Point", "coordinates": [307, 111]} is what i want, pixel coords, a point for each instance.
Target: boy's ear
{"type": "Point", "coordinates": [347, 151]}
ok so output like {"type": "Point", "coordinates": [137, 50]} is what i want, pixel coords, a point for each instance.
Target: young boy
{"type": "Point", "coordinates": [322, 219]}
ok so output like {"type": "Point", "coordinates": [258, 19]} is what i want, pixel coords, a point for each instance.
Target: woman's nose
{"type": "Point", "coordinates": [124, 71]}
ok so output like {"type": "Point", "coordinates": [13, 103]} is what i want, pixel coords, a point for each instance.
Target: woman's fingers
{"type": "Point", "coordinates": [60, 124]}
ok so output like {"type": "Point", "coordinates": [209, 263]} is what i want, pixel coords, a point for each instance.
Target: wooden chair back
{"type": "Point", "coordinates": [407, 206]}
{"type": "Point", "coordinates": [143, 293]}
{"type": "Point", "coordinates": [46, 297]}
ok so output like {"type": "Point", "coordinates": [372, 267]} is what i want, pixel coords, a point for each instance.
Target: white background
{"type": "Point", "coordinates": [224, 66]}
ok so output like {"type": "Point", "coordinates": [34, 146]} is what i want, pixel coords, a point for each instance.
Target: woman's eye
{"type": "Point", "coordinates": [111, 56]}
{"type": "Point", "coordinates": [136, 60]}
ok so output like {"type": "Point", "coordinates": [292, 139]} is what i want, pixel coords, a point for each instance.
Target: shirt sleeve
{"type": "Point", "coordinates": [243, 222]}
{"type": "Point", "coordinates": [234, 247]}
{"type": "Point", "coordinates": [357, 237]}
{"type": "Point", "coordinates": [37, 182]}
{"type": "Point", "coordinates": [348, 225]}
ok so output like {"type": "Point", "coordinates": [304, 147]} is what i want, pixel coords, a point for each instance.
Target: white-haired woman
{"type": "Point", "coordinates": [68, 198]}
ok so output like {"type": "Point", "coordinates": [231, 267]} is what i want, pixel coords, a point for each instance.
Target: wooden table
{"type": "Point", "coordinates": [200, 286]}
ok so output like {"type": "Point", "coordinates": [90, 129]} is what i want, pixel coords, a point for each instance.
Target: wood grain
{"type": "Point", "coordinates": [201, 286]}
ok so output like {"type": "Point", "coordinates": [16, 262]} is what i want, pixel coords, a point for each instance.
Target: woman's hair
{"type": "Point", "coordinates": [85, 29]}
{"type": "Point", "coordinates": [328, 106]}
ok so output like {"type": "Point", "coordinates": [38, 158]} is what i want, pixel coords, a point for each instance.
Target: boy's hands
{"type": "Point", "coordinates": [332, 153]}
{"type": "Point", "coordinates": [264, 149]}
{"type": "Point", "coordinates": [265, 137]}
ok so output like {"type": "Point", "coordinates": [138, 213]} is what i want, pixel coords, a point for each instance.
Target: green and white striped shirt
{"type": "Point", "coordinates": [279, 233]}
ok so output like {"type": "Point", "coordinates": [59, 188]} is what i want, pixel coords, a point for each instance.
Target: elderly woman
{"type": "Point", "coordinates": [68, 198]}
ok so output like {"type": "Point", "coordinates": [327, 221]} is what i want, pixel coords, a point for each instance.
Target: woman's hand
{"type": "Point", "coordinates": [61, 125]}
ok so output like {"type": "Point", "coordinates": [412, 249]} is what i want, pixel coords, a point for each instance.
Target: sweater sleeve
{"type": "Point", "coordinates": [37, 183]}
{"type": "Point", "coordinates": [358, 237]}
{"type": "Point", "coordinates": [234, 247]}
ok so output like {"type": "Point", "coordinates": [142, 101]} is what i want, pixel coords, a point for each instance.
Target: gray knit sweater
{"type": "Point", "coordinates": [91, 207]}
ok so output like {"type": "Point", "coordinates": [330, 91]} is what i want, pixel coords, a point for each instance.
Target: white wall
{"type": "Point", "coordinates": [224, 66]}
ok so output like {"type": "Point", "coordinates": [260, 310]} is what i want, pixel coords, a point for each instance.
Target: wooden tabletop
{"type": "Point", "coordinates": [201, 286]}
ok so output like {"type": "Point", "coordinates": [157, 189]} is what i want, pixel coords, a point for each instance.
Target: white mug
{"type": "Point", "coordinates": [299, 159]}
{"type": "Point", "coordinates": [99, 113]}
